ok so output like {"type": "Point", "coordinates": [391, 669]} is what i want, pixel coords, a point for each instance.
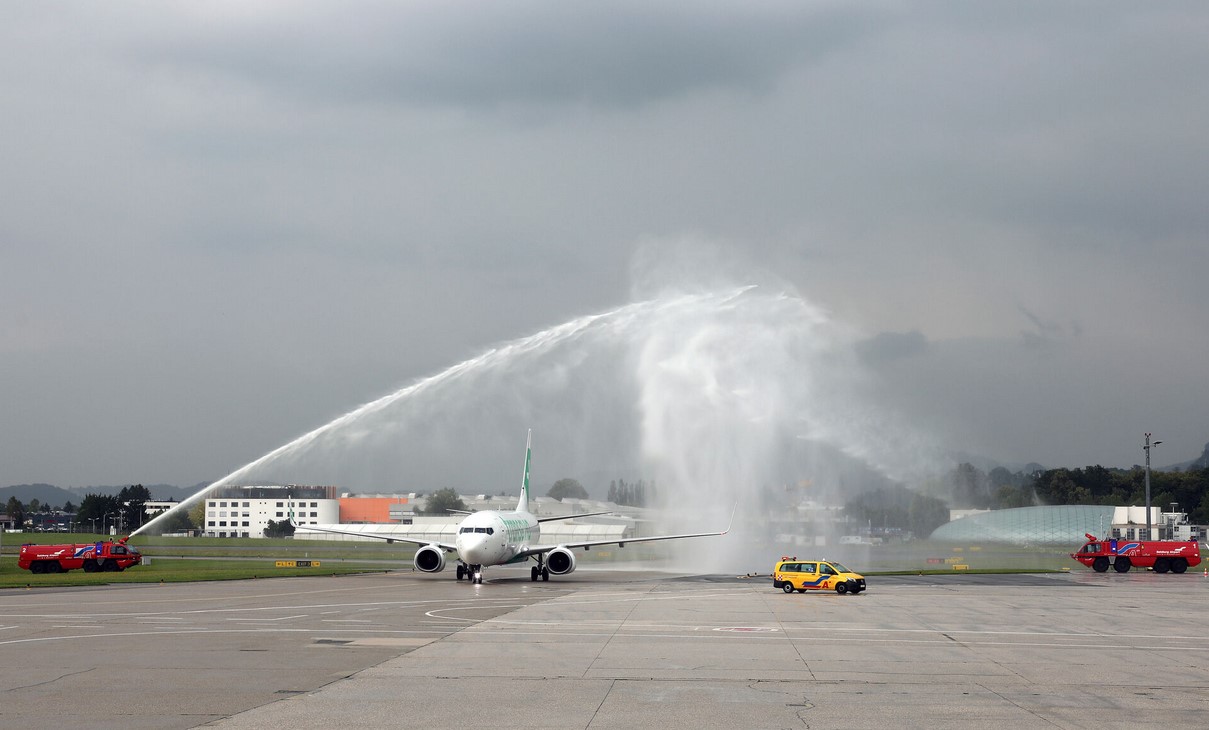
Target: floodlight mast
{"type": "Point", "coordinates": [1146, 447]}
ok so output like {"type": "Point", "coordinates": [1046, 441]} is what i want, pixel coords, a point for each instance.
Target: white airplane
{"type": "Point", "coordinates": [495, 537]}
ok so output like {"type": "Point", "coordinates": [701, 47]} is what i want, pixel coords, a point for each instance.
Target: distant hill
{"type": "Point", "coordinates": [44, 493]}
{"type": "Point", "coordinates": [1202, 462]}
{"type": "Point", "coordinates": [180, 494]}
{"type": "Point", "coordinates": [58, 496]}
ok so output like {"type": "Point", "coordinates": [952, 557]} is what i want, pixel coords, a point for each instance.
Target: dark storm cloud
{"type": "Point", "coordinates": [618, 54]}
{"type": "Point", "coordinates": [229, 222]}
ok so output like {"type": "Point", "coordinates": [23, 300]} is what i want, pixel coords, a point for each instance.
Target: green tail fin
{"type": "Point", "coordinates": [522, 505]}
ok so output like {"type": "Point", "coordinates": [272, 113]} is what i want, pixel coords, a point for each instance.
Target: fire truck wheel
{"type": "Point", "coordinates": [111, 566]}
{"type": "Point", "coordinates": [1179, 565]}
{"type": "Point", "coordinates": [1122, 565]}
{"type": "Point", "coordinates": [1162, 565]}
{"type": "Point", "coordinates": [90, 566]}
{"type": "Point", "coordinates": [54, 567]}
{"type": "Point", "coordinates": [37, 567]}
{"type": "Point", "coordinates": [1100, 565]}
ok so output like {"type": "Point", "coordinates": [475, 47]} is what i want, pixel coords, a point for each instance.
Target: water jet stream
{"type": "Point", "coordinates": [714, 396]}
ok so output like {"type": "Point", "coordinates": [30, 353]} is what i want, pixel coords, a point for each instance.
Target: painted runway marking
{"type": "Point", "coordinates": [279, 618]}
{"type": "Point", "coordinates": [191, 632]}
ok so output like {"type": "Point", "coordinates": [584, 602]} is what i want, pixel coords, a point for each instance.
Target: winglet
{"type": "Point", "coordinates": [732, 519]}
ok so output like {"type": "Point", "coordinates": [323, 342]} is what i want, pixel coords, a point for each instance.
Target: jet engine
{"type": "Point", "coordinates": [560, 561]}
{"type": "Point", "coordinates": [430, 559]}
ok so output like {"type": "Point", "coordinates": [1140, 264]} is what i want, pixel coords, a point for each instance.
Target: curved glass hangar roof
{"type": "Point", "coordinates": [1059, 525]}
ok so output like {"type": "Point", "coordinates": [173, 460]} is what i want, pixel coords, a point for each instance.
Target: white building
{"type": "Point", "coordinates": [151, 508]}
{"type": "Point", "coordinates": [247, 511]}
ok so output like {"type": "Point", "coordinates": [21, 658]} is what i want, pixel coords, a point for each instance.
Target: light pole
{"type": "Point", "coordinates": [1146, 447]}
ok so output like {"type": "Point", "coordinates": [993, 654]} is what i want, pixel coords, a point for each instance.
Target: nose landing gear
{"type": "Point", "coordinates": [472, 573]}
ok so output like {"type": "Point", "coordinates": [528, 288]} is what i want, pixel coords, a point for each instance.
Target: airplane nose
{"type": "Point", "coordinates": [473, 549]}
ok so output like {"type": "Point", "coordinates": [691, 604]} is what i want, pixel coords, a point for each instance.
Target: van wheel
{"type": "Point", "coordinates": [1100, 565]}
{"type": "Point", "coordinates": [841, 588]}
{"type": "Point", "coordinates": [788, 587]}
{"type": "Point", "coordinates": [1179, 565]}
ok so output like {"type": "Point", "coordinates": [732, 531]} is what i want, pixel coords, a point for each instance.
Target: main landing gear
{"type": "Point", "coordinates": [472, 573]}
{"type": "Point", "coordinates": [539, 570]}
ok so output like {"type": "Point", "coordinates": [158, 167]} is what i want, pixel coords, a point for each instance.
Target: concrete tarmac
{"type": "Point", "coordinates": [610, 649]}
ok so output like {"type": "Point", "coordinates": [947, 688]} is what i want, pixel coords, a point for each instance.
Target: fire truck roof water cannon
{"type": "Point", "coordinates": [93, 557]}
{"type": "Point", "coordinates": [1163, 556]}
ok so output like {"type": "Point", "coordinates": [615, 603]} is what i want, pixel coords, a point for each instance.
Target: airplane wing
{"type": "Point", "coordinates": [446, 546]}
{"type": "Point", "coordinates": [571, 517]}
{"type": "Point", "coordinates": [541, 549]}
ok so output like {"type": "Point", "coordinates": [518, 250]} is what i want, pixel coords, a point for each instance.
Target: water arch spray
{"type": "Point", "coordinates": [714, 396]}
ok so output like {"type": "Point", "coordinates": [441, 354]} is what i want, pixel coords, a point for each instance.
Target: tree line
{"type": "Point", "coordinates": [123, 510]}
{"type": "Point", "coordinates": [635, 494]}
{"type": "Point", "coordinates": [971, 488]}
{"type": "Point", "coordinates": [968, 487]}
{"type": "Point", "coordinates": [1097, 485]}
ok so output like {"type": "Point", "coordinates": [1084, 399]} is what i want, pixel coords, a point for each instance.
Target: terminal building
{"type": "Point", "coordinates": [1067, 524]}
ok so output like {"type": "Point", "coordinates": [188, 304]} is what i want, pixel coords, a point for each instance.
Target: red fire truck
{"type": "Point", "coordinates": [93, 557]}
{"type": "Point", "coordinates": [1176, 556]}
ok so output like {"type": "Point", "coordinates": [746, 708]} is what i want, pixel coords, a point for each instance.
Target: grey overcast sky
{"type": "Point", "coordinates": [226, 223]}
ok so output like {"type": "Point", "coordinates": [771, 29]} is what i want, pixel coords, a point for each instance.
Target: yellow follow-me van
{"type": "Point", "coordinates": [791, 574]}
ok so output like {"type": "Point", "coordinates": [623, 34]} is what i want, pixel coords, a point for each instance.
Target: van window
{"type": "Point", "coordinates": [808, 568]}
{"type": "Point", "coordinates": [825, 569]}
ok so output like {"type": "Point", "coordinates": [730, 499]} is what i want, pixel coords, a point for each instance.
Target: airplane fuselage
{"type": "Point", "coordinates": [499, 537]}
{"type": "Point", "coordinates": [495, 538]}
